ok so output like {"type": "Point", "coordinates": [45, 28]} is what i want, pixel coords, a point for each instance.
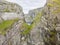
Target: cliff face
{"type": "Point", "coordinates": [9, 7]}
{"type": "Point", "coordinates": [49, 23]}
{"type": "Point", "coordinates": [11, 18]}
{"type": "Point", "coordinates": [31, 15]}
{"type": "Point", "coordinates": [43, 28]}
{"type": "Point", "coordinates": [47, 29]}
{"type": "Point", "coordinates": [10, 10]}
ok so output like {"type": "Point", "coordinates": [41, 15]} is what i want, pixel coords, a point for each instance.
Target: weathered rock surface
{"type": "Point", "coordinates": [31, 15]}
{"type": "Point", "coordinates": [44, 32]}
{"type": "Point", "coordinates": [10, 10]}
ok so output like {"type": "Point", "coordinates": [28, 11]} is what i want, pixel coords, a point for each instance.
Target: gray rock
{"type": "Point", "coordinates": [10, 10]}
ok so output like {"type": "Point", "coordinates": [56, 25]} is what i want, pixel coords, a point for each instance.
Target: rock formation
{"type": "Point", "coordinates": [43, 28]}
{"type": "Point", "coordinates": [31, 15]}
{"type": "Point", "coordinates": [10, 10]}
{"type": "Point", "coordinates": [11, 18]}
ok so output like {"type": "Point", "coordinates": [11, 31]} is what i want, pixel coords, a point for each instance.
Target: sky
{"type": "Point", "coordinates": [29, 4]}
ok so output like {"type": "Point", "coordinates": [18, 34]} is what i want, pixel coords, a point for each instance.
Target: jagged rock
{"type": "Point", "coordinates": [13, 34]}
{"type": "Point", "coordinates": [44, 32]}
{"type": "Point", "coordinates": [31, 15]}
{"type": "Point", "coordinates": [36, 36]}
{"type": "Point", "coordinates": [10, 10]}
{"type": "Point", "coordinates": [2, 39]}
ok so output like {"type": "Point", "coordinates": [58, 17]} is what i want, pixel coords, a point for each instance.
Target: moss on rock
{"type": "Point", "coordinates": [5, 25]}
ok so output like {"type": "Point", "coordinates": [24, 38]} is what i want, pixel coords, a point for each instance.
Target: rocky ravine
{"type": "Point", "coordinates": [43, 28]}
{"type": "Point", "coordinates": [10, 11]}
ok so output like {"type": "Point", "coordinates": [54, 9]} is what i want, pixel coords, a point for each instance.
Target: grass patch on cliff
{"type": "Point", "coordinates": [27, 28]}
{"type": "Point", "coordinates": [37, 19]}
{"type": "Point", "coordinates": [57, 6]}
{"type": "Point", "coordinates": [6, 10]}
{"type": "Point", "coordinates": [56, 1]}
{"type": "Point", "coordinates": [50, 5]}
{"type": "Point", "coordinates": [5, 25]}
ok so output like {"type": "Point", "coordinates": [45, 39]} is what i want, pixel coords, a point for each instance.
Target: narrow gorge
{"type": "Point", "coordinates": [40, 26]}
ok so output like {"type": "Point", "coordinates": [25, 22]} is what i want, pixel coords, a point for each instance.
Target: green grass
{"type": "Point", "coordinates": [5, 25]}
{"type": "Point", "coordinates": [56, 1]}
{"type": "Point", "coordinates": [37, 19]}
{"type": "Point", "coordinates": [28, 28]}
{"type": "Point", "coordinates": [6, 10]}
{"type": "Point", "coordinates": [50, 5]}
{"type": "Point", "coordinates": [56, 11]}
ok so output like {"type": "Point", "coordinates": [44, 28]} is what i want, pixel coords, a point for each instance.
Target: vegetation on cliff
{"type": "Point", "coordinates": [27, 28]}
{"type": "Point", "coordinates": [6, 24]}
{"type": "Point", "coordinates": [53, 7]}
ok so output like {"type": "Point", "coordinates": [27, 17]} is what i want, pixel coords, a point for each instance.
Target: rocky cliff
{"type": "Point", "coordinates": [10, 10]}
{"type": "Point", "coordinates": [49, 23]}
{"type": "Point", "coordinates": [11, 18]}
{"type": "Point", "coordinates": [46, 26]}
{"type": "Point", "coordinates": [43, 28]}
{"type": "Point", "coordinates": [31, 15]}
